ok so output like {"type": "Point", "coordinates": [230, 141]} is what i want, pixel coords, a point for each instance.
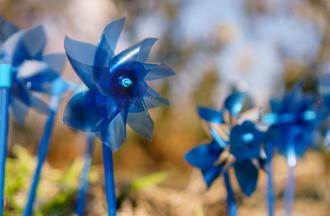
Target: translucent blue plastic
{"type": "Point", "coordinates": [242, 140]}
{"type": "Point", "coordinates": [118, 92]}
{"type": "Point", "coordinates": [21, 46]}
{"type": "Point", "coordinates": [297, 121]}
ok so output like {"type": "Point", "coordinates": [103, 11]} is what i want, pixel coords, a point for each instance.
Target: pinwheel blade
{"type": "Point", "coordinates": [55, 61]}
{"type": "Point", "coordinates": [82, 113]}
{"type": "Point", "coordinates": [81, 56]}
{"type": "Point", "coordinates": [157, 71]}
{"type": "Point", "coordinates": [34, 40]}
{"type": "Point", "coordinates": [138, 52]}
{"type": "Point", "coordinates": [204, 156]}
{"type": "Point", "coordinates": [110, 36]}
{"type": "Point", "coordinates": [6, 29]}
{"type": "Point", "coordinates": [141, 122]}
{"type": "Point", "coordinates": [211, 174]}
{"type": "Point", "coordinates": [210, 115]}
{"type": "Point", "coordinates": [18, 111]}
{"type": "Point", "coordinates": [247, 176]}
{"type": "Point", "coordinates": [115, 134]}
{"type": "Point", "coordinates": [38, 104]}
{"type": "Point", "coordinates": [234, 103]}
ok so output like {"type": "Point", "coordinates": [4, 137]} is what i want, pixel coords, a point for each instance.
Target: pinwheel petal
{"type": "Point", "coordinates": [210, 175]}
{"type": "Point", "coordinates": [81, 56]}
{"type": "Point", "coordinates": [247, 176]}
{"type": "Point", "coordinates": [18, 111]}
{"type": "Point", "coordinates": [138, 52]}
{"type": "Point", "coordinates": [204, 156]}
{"type": "Point", "coordinates": [115, 134]}
{"type": "Point", "coordinates": [158, 99]}
{"type": "Point", "coordinates": [110, 36]}
{"type": "Point", "coordinates": [55, 61]}
{"type": "Point", "coordinates": [82, 113]}
{"type": "Point", "coordinates": [24, 45]}
{"type": "Point", "coordinates": [38, 104]}
{"type": "Point", "coordinates": [141, 122]}
{"type": "Point", "coordinates": [6, 29]}
{"type": "Point", "coordinates": [234, 103]}
{"type": "Point", "coordinates": [55, 88]}
{"type": "Point", "coordinates": [210, 115]}
{"type": "Point", "coordinates": [35, 41]}
{"type": "Point", "coordinates": [157, 71]}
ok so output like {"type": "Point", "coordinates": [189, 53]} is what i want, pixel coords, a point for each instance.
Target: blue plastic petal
{"type": "Point", "coordinates": [245, 141]}
{"type": "Point", "coordinates": [24, 45]}
{"type": "Point", "coordinates": [141, 122]}
{"type": "Point", "coordinates": [138, 52]}
{"type": "Point", "coordinates": [35, 41]}
{"type": "Point", "coordinates": [88, 113]}
{"type": "Point", "coordinates": [115, 134]}
{"type": "Point", "coordinates": [56, 61]}
{"type": "Point", "coordinates": [157, 71]}
{"type": "Point", "coordinates": [211, 174]}
{"type": "Point", "coordinates": [203, 156]}
{"type": "Point", "coordinates": [18, 111]}
{"type": "Point", "coordinates": [110, 37]}
{"type": "Point", "coordinates": [247, 176]}
{"type": "Point", "coordinates": [153, 98]}
{"type": "Point", "coordinates": [38, 104]}
{"type": "Point", "coordinates": [81, 56]}
{"type": "Point", "coordinates": [234, 103]}
{"type": "Point", "coordinates": [210, 115]}
{"type": "Point", "coordinates": [6, 29]}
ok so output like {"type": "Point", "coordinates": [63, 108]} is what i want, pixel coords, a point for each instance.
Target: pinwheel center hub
{"type": "Point", "coordinates": [247, 137]}
{"type": "Point", "coordinates": [125, 82]}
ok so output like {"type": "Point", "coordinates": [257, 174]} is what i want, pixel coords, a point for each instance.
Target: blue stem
{"type": "Point", "coordinates": [270, 183]}
{"type": "Point", "coordinates": [4, 100]}
{"type": "Point", "coordinates": [42, 153]}
{"type": "Point", "coordinates": [231, 203]}
{"type": "Point", "coordinates": [81, 199]}
{"type": "Point", "coordinates": [109, 180]}
{"type": "Point", "coordinates": [289, 190]}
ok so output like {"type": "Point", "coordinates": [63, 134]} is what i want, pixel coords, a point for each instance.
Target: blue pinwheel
{"type": "Point", "coordinates": [294, 122]}
{"type": "Point", "coordinates": [117, 91]}
{"type": "Point", "coordinates": [236, 142]}
{"type": "Point", "coordinates": [25, 70]}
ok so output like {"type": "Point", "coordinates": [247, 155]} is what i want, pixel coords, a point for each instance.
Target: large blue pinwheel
{"type": "Point", "coordinates": [117, 91]}
{"type": "Point", "coordinates": [294, 122]}
{"type": "Point", "coordinates": [236, 142]}
{"type": "Point", "coordinates": [25, 71]}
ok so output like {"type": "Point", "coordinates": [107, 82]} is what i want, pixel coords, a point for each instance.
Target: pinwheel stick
{"type": "Point", "coordinates": [42, 153]}
{"type": "Point", "coordinates": [289, 190]}
{"type": "Point", "coordinates": [5, 84]}
{"type": "Point", "coordinates": [81, 199]}
{"type": "Point", "coordinates": [270, 187]}
{"type": "Point", "coordinates": [231, 203]}
{"type": "Point", "coordinates": [109, 180]}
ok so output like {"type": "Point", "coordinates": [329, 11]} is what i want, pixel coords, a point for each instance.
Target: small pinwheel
{"type": "Point", "coordinates": [236, 142]}
{"type": "Point", "coordinates": [294, 123]}
{"type": "Point", "coordinates": [21, 52]}
{"type": "Point", "coordinates": [117, 90]}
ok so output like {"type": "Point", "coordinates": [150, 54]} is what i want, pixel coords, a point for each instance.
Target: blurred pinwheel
{"type": "Point", "coordinates": [294, 122]}
{"type": "Point", "coordinates": [117, 93]}
{"type": "Point", "coordinates": [236, 142]}
{"type": "Point", "coordinates": [31, 70]}
{"type": "Point", "coordinates": [25, 73]}
{"type": "Point", "coordinates": [117, 89]}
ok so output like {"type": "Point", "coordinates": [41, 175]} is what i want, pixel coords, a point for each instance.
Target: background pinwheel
{"type": "Point", "coordinates": [117, 92]}
{"type": "Point", "coordinates": [236, 142]}
{"type": "Point", "coordinates": [294, 128]}
{"type": "Point", "coordinates": [30, 73]}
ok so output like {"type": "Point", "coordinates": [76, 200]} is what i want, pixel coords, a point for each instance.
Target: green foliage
{"type": "Point", "coordinates": [56, 192]}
